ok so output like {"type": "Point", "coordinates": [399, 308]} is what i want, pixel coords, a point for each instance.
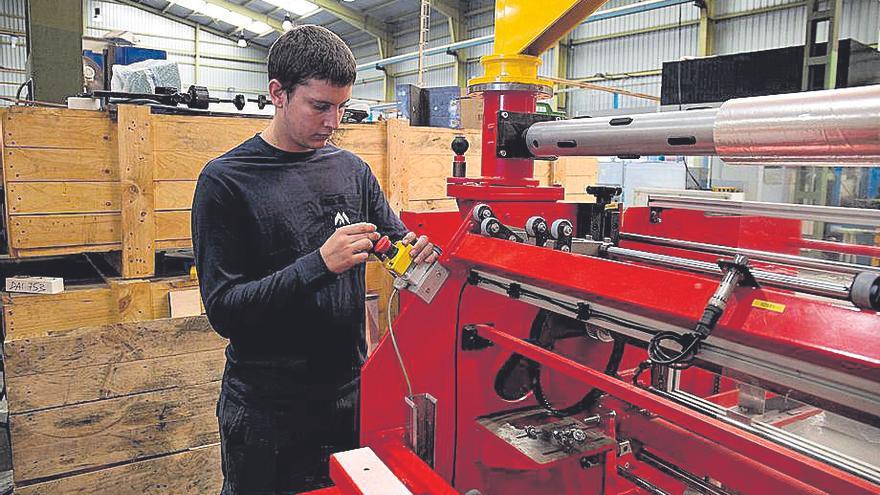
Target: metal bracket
{"type": "Point", "coordinates": [471, 340]}
{"type": "Point", "coordinates": [512, 127]}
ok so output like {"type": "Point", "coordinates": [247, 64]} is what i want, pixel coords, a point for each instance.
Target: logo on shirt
{"type": "Point", "coordinates": [341, 219]}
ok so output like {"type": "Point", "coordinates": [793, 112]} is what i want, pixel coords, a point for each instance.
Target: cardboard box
{"type": "Point", "coordinates": [471, 113]}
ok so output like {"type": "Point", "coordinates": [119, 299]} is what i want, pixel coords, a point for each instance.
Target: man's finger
{"type": "Point", "coordinates": [408, 238]}
{"type": "Point", "coordinates": [357, 228]}
{"type": "Point", "coordinates": [432, 257]}
{"type": "Point", "coordinates": [361, 245]}
{"type": "Point", "coordinates": [373, 236]}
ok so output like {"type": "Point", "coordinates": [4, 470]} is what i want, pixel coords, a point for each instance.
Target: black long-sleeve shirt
{"type": "Point", "coordinates": [259, 216]}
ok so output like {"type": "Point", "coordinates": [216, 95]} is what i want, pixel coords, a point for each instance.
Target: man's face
{"type": "Point", "coordinates": [311, 112]}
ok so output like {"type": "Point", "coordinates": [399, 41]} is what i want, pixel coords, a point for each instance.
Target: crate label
{"type": "Point", "coordinates": [770, 306]}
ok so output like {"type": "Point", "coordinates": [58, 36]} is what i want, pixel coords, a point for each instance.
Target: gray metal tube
{"type": "Point", "coordinates": [664, 133]}
{"type": "Point", "coordinates": [820, 128]}
{"type": "Point", "coordinates": [817, 287]}
{"type": "Point", "coordinates": [785, 259]}
{"type": "Point", "coordinates": [833, 127]}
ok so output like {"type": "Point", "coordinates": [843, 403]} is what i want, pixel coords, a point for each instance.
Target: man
{"type": "Point", "coordinates": [282, 226]}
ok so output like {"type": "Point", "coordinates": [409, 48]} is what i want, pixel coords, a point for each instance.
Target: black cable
{"type": "Point", "coordinates": [455, 380]}
{"type": "Point", "coordinates": [590, 398]}
{"type": "Point", "coordinates": [690, 174]}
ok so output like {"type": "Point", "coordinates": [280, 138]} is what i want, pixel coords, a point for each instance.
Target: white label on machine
{"type": "Point", "coordinates": [368, 474]}
{"type": "Point", "coordinates": [35, 285]}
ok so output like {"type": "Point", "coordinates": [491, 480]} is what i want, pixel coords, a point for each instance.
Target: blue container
{"type": "Point", "coordinates": [126, 55]}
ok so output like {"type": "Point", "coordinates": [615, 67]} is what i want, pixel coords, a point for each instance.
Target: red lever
{"type": "Point", "coordinates": [382, 245]}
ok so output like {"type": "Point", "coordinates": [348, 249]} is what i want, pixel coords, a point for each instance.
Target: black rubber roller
{"type": "Point", "coordinates": [865, 290]}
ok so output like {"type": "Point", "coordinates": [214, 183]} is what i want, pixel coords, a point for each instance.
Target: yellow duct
{"type": "Point", "coordinates": [523, 30]}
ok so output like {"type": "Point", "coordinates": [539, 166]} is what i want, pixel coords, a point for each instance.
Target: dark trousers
{"type": "Point", "coordinates": [269, 451]}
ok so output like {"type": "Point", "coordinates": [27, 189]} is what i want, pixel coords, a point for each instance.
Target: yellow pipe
{"type": "Point", "coordinates": [523, 30]}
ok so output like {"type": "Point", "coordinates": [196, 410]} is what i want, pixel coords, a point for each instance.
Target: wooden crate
{"type": "Point", "coordinates": [117, 409]}
{"type": "Point", "coordinates": [76, 181]}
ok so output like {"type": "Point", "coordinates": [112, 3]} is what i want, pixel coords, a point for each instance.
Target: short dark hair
{"type": "Point", "coordinates": [311, 52]}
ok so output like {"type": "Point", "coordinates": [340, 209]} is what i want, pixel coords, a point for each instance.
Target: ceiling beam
{"type": "Point", "coordinates": [354, 17]}
{"type": "Point", "coordinates": [152, 10]}
{"type": "Point", "coordinates": [449, 8]}
{"type": "Point", "coordinates": [253, 14]}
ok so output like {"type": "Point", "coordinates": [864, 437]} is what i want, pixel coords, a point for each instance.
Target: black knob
{"type": "Point", "coordinates": [460, 145]}
{"type": "Point", "coordinates": [238, 101]}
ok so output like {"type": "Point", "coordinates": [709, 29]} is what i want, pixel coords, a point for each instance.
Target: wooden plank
{"type": "Point", "coordinates": [35, 164]}
{"type": "Point", "coordinates": [51, 231]}
{"type": "Point", "coordinates": [136, 178]}
{"type": "Point", "coordinates": [94, 434]}
{"type": "Point", "coordinates": [174, 195]}
{"type": "Point", "coordinates": [193, 472]}
{"type": "Point", "coordinates": [580, 166]}
{"type": "Point", "coordinates": [33, 127]}
{"type": "Point", "coordinates": [173, 225]}
{"type": "Point", "coordinates": [133, 300]}
{"type": "Point", "coordinates": [63, 197]}
{"type": "Point", "coordinates": [61, 251]}
{"type": "Point", "coordinates": [398, 171]}
{"type": "Point", "coordinates": [181, 164]}
{"type": "Point", "coordinates": [436, 140]}
{"type": "Point", "coordinates": [163, 244]}
{"type": "Point", "coordinates": [98, 345]}
{"type": "Point", "coordinates": [361, 138]}
{"type": "Point", "coordinates": [67, 387]}
{"type": "Point", "coordinates": [203, 134]}
{"type": "Point", "coordinates": [31, 315]}
{"type": "Point", "coordinates": [379, 281]}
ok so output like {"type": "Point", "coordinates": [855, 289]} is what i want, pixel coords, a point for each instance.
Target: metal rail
{"type": "Point", "coordinates": [850, 216]}
{"type": "Point", "coordinates": [770, 257]}
{"type": "Point", "coordinates": [809, 286]}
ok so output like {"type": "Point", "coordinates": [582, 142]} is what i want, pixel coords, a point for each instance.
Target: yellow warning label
{"type": "Point", "coordinates": [771, 306]}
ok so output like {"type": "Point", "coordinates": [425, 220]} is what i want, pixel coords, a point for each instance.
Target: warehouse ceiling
{"type": "Point", "coordinates": [262, 21]}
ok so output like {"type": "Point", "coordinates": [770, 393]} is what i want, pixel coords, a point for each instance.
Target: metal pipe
{"type": "Point", "coordinates": [678, 473]}
{"type": "Point", "coordinates": [664, 133]}
{"type": "Point", "coordinates": [640, 482]}
{"type": "Point", "coordinates": [816, 287]}
{"type": "Point", "coordinates": [833, 127]}
{"type": "Point", "coordinates": [785, 259]}
{"type": "Point", "coordinates": [833, 214]}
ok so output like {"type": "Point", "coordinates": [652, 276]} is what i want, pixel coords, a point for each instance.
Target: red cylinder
{"type": "Point", "coordinates": [505, 171]}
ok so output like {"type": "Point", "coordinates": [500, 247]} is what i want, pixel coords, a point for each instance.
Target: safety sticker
{"type": "Point", "coordinates": [770, 306]}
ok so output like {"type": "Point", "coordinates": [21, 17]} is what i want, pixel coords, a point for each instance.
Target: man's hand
{"type": "Point", "coordinates": [348, 246]}
{"type": "Point", "coordinates": [423, 250]}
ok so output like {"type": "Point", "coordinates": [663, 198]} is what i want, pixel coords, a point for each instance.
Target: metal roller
{"type": "Point", "coordinates": [834, 127]}
{"type": "Point", "coordinates": [664, 133]}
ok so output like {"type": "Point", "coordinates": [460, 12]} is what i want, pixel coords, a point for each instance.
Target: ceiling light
{"type": "Point", "coordinates": [259, 28]}
{"type": "Point", "coordinates": [287, 25]}
{"type": "Point", "coordinates": [235, 18]}
{"type": "Point", "coordinates": [301, 8]}
{"type": "Point", "coordinates": [213, 11]}
{"type": "Point", "coordinates": [242, 42]}
{"type": "Point", "coordinates": [97, 15]}
{"type": "Point", "coordinates": [194, 5]}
